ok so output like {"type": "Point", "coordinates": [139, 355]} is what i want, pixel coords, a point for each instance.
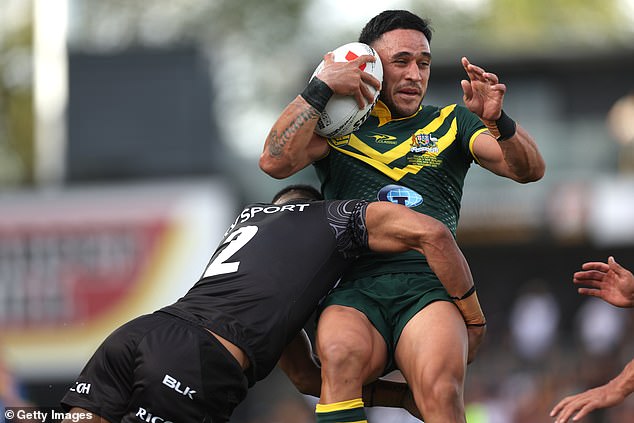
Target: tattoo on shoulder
{"type": "Point", "coordinates": [277, 140]}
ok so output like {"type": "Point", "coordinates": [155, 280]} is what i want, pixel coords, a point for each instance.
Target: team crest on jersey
{"type": "Point", "coordinates": [400, 195]}
{"type": "Point", "coordinates": [424, 143]}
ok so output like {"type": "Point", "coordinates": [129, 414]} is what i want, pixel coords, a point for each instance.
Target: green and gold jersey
{"type": "Point", "coordinates": [420, 161]}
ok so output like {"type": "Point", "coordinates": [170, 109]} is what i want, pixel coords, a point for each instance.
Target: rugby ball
{"type": "Point", "coordinates": [342, 115]}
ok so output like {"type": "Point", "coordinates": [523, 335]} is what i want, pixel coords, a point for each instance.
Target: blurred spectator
{"type": "Point", "coordinates": [534, 320]}
{"type": "Point", "coordinates": [601, 326]}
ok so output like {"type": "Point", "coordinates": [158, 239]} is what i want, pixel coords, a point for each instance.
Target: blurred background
{"type": "Point", "coordinates": [130, 133]}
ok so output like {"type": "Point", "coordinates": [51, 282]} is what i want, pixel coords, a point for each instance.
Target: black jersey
{"type": "Point", "coordinates": [273, 266]}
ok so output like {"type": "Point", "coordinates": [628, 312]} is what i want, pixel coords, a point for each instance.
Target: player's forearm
{"type": "Point", "coordinates": [447, 261]}
{"type": "Point", "coordinates": [449, 264]}
{"type": "Point", "coordinates": [298, 364]}
{"type": "Point", "coordinates": [523, 157]}
{"type": "Point", "coordinates": [286, 147]}
{"type": "Point", "coordinates": [624, 382]}
{"type": "Point", "coordinates": [451, 267]}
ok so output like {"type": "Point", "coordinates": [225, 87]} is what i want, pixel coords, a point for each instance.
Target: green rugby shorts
{"type": "Point", "coordinates": [389, 301]}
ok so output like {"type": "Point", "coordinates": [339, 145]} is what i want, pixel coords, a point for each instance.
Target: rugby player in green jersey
{"type": "Point", "coordinates": [387, 313]}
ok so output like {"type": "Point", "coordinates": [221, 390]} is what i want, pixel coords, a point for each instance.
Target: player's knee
{"type": "Point", "coordinates": [442, 395]}
{"type": "Point", "coordinates": [342, 354]}
{"type": "Point", "coordinates": [345, 341]}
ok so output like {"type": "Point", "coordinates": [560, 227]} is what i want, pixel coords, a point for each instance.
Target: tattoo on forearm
{"type": "Point", "coordinates": [277, 141]}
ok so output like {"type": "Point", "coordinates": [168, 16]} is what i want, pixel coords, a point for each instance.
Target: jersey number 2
{"type": "Point", "coordinates": [235, 241]}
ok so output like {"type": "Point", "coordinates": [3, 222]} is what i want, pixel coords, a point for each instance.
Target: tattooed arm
{"type": "Point", "coordinates": [291, 144]}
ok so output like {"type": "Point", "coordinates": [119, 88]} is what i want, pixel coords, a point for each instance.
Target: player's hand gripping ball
{"type": "Point", "coordinates": [342, 115]}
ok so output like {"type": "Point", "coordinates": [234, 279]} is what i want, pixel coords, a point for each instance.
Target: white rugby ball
{"type": "Point", "coordinates": [342, 115]}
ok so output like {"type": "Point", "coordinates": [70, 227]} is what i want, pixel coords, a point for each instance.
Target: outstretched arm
{"type": "Point", "coordinates": [610, 394]}
{"type": "Point", "coordinates": [395, 228]}
{"type": "Point", "coordinates": [609, 281]}
{"type": "Point", "coordinates": [507, 149]}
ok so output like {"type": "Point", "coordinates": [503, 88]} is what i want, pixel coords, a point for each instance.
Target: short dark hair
{"type": "Point", "coordinates": [390, 20]}
{"type": "Point", "coordinates": [305, 192]}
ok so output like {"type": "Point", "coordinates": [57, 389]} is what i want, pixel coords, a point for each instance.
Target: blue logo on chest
{"type": "Point", "coordinates": [400, 195]}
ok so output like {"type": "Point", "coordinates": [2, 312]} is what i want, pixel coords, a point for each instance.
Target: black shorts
{"type": "Point", "coordinates": [159, 368]}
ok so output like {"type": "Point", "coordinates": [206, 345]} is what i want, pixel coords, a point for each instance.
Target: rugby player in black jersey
{"type": "Point", "coordinates": [194, 360]}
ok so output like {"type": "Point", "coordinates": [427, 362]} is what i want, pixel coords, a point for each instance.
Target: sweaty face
{"type": "Point", "coordinates": [406, 58]}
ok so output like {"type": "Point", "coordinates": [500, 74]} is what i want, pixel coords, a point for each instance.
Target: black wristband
{"type": "Point", "coordinates": [466, 294]}
{"type": "Point", "coordinates": [506, 126]}
{"type": "Point", "coordinates": [317, 93]}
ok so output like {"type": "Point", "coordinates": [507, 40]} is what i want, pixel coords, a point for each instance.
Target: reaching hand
{"type": "Point", "coordinates": [609, 281]}
{"type": "Point", "coordinates": [614, 284]}
{"type": "Point", "coordinates": [582, 404]}
{"type": "Point", "coordinates": [483, 94]}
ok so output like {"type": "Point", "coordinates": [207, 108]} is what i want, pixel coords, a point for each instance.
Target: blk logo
{"type": "Point", "coordinates": [176, 385]}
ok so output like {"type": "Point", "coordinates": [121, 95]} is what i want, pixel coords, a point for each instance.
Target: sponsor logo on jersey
{"type": "Point", "coordinates": [176, 385]}
{"type": "Point", "coordinates": [424, 143]}
{"type": "Point", "coordinates": [250, 212]}
{"type": "Point", "coordinates": [81, 388]}
{"type": "Point", "coordinates": [145, 416]}
{"type": "Point", "coordinates": [384, 139]}
{"type": "Point", "coordinates": [400, 195]}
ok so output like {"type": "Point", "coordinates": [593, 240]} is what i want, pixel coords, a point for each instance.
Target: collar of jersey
{"type": "Point", "coordinates": [384, 115]}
